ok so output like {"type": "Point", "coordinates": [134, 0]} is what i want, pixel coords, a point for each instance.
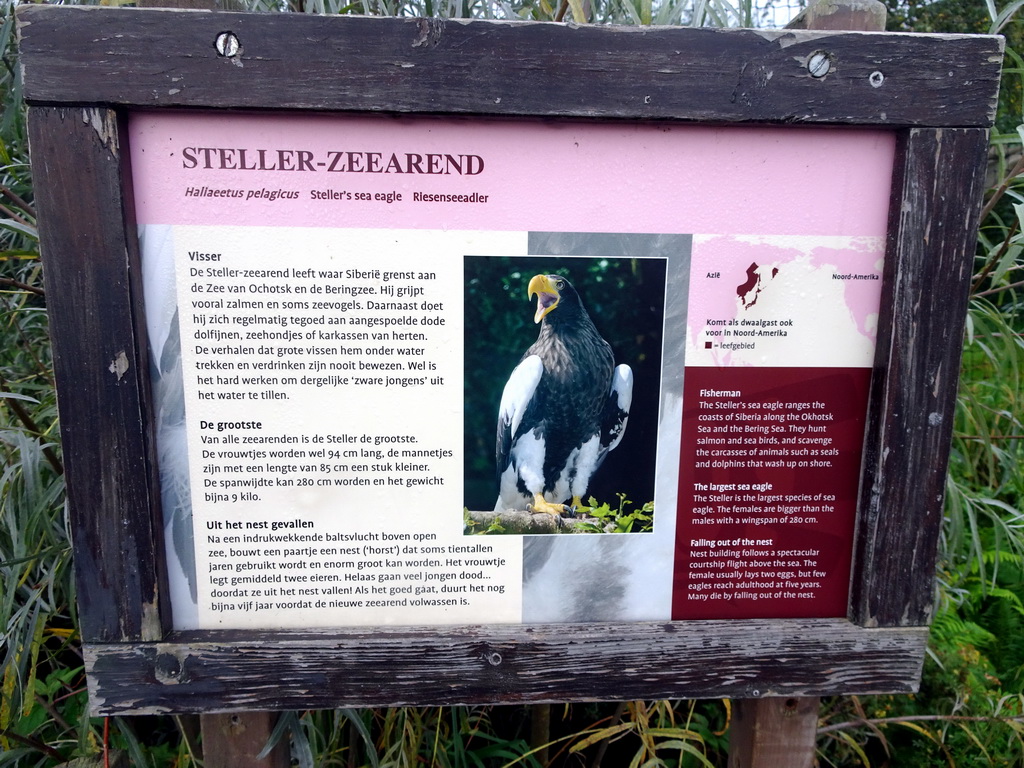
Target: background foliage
{"type": "Point", "coordinates": [969, 712]}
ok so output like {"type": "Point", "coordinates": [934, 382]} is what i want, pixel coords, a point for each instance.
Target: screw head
{"type": "Point", "coordinates": [819, 64]}
{"type": "Point", "coordinates": [876, 79]}
{"type": "Point", "coordinates": [227, 45]}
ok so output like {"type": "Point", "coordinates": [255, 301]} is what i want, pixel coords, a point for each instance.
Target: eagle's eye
{"type": "Point", "coordinates": [560, 284]}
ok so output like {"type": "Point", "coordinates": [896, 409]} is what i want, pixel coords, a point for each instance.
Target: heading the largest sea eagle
{"type": "Point", "coordinates": [563, 408]}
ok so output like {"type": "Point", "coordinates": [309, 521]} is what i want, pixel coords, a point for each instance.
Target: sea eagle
{"type": "Point", "coordinates": [563, 409]}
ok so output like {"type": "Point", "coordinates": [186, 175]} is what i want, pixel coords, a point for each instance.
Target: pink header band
{"type": "Point", "coordinates": [349, 171]}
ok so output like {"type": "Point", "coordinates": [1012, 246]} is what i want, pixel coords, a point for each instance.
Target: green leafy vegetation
{"type": "Point", "coordinates": [970, 710]}
{"type": "Point", "coordinates": [622, 518]}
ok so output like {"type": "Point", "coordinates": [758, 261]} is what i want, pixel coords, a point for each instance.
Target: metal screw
{"type": "Point", "coordinates": [876, 79]}
{"type": "Point", "coordinates": [494, 659]}
{"type": "Point", "coordinates": [227, 45]}
{"type": "Point", "coordinates": [819, 63]}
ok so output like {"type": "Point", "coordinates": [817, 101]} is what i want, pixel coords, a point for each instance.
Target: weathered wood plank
{"type": "Point", "coordinates": [222, 671]}
{"type": "Point", "coordinates": [101, 366]}
{"type": "Point", "coordinates": [167, 58]}
{"type": "Point", "coordinates": [936, 202]}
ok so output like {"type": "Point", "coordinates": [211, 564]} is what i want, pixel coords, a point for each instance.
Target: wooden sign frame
{"type": "Point", "coordinates": [86, 69]}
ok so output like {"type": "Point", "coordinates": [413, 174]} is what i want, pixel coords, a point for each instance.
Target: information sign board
{"type": "Point", "coordinates": [303, 303]}
{"type": "Point", "coordinates": [336, 334]}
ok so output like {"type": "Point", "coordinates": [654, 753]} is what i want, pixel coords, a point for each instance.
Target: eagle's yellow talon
{"type": "Point", "coordinates": [541, 506]}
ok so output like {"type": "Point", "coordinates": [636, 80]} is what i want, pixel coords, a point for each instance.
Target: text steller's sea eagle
{"type": "Point", "coordinates": [563, 409]}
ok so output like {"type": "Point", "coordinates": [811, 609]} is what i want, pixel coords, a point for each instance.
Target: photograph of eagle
{"type": "Point", "coordinates": [563, 409]}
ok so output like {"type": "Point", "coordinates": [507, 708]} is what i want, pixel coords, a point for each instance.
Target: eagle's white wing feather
{"type": "Point", "coordinates": [515, 399]}
{"type": "Point", "coordinates": [518, 392]}
{"type": "Point", "coordinates": [616, 414]}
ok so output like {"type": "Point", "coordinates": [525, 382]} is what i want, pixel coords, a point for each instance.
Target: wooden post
{"type": "Point", "coordinates": [540, 731]}
{"type": "Point", "coordinates": [776, 732]}
{"type": "Point", "coordinates": [773, 733]}
{"type": "Point", "coordinates": [233, 740]}
{"type": "Point", "coordinates": [844, 15]}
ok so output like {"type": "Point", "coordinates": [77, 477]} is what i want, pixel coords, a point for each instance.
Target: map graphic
{"type": "Point", "coordinates": [783, 301]}
{"type": "Point", "coordinates": [751, 288]}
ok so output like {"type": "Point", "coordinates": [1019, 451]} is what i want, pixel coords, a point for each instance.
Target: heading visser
{"type": "Point", "coordinates": [303, 160]}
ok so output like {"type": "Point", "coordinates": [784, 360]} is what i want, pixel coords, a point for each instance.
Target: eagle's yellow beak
{"type": "Point", "coordinates": [547, 295]}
